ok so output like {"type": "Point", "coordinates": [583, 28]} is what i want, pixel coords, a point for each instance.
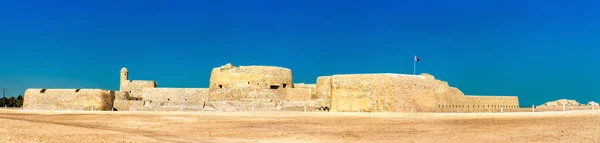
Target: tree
{"type": "Point", "coordinates": [11, 102]}
{"type": "Point", "coordinates": [19, 101]}
{"type": "Point", "coordinates": [3, 101]}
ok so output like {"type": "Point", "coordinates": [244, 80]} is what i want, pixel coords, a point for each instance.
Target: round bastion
{"type": "Point", "coordinates": [264, 77]}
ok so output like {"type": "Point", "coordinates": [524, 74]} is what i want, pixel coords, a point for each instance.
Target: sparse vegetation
{"type": "Point", "coordinates": [12, 101]}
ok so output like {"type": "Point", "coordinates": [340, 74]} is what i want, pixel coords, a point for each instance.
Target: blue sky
{"type": "Point", "coordinates": [537, 50]}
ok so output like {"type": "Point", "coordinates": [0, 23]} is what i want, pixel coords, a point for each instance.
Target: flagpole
{"type": "Point", "coordinates": [415, 66]}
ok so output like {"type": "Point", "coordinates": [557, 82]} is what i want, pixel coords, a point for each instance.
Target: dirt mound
{"type": "Point", "coordinates": [560, 102]}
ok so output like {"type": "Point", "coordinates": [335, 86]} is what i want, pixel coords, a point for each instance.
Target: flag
{"type": "Point", "coordinates": [417, 58]}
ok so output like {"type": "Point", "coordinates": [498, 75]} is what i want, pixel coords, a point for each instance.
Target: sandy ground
{"type": "Point", "coordinates": [87, 126]}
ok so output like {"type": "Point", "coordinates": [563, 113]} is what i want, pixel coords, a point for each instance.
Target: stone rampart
{"type": "Point", "coordinates": [175, 97]}
{"type": "Point", "coordinates": [295, 94]}
{"type": "Point", "coordinates": [245, 94]}
{"type": "Point", "coordinates": [121, 95]}
{"type": "Point", "coordinates": [401, 93]}
{"type": "Point", "coordinates": [365, 92]}
{"type": "Point", "coordinates": [312, 88]}
{"type": "Point", "coordinates": [503, 101]}
{"type": "Point", "coordinates": [304, 85]}
{"type": "Point", "coordinates": [135, 87]}
{"type": "Point", "coordinates": [323, 91]}
{"type": "Point", "coordinates": [68, 99]}
{"type": "Point", "coordinates": [128, 105]}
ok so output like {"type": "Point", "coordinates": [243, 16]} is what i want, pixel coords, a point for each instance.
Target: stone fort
{"type": "Point", "coordinates": [269, 88]}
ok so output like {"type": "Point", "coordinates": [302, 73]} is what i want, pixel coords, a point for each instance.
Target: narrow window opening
{"type": "Point", "coordinates": [43, 91]}
{"type": "Point", "coordinates": [248, 82]}
{"type": "Point", "coordinates": [220, 86]}
{"type": "Point", "coordinates": [168, 99]}
{"type": "Point", "coordinates": [274, 86]}
{"type": "Point", "coordinates": [284, 85]}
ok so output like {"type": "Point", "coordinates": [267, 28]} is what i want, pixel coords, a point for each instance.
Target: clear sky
{"type": "Point", "coordinates": [538, 50]}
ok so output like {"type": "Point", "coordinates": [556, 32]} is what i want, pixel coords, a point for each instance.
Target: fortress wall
{"type": "Point", "coordinates": [245, 99]}
{"type": "Point", "coordinates": [245, 94]}
{"type": "Point", "coordinates": [302, 94]}
{"type": "Point", "coordinates": [128, 105]}
{"type": "Point", "coordinates": [323, 91]}
{"type": "Point", "coordinates": [175, 96]}
{"type": "Point", "coordinates": [312, 88]}
{"type": "Point", "coordinates": [417, 93]}
{"type": "Point", "coordinates": [451, 96]}
{"type": "Point", "coordinates": [454, 96]}
{"type": "Point", "coordinates": [504, 101]}
{"type": "Point", "coordinates": [451, 99]}
{"type": "Point", "coordinates": [121, 95]}
{"type": "Point", "coordinates": [395, 93]}
{"type": "Point", "coordinates": [364, 92]}
{"type": "Point", "coordinates": [231, 77]}
{"type": "Point", "coordinates": [481, 104]}
{"type": "Point", "coordinates": [136, 86]}
{"type": "Point", "coordinates": [440, 89]}
{"type": "Point", "coordinates": [303, 85]}
{"type": "Point", "coordinates": [68, 99]}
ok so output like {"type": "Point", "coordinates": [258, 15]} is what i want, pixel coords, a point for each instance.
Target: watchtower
{"type": "Point", "coordinates": [124, 75]}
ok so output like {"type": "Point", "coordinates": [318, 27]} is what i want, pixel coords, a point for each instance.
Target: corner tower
{"type": "Point", "coordinates": [124, 75]}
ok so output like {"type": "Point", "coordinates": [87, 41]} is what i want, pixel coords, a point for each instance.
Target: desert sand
{"type": "Point", "coordinates": [88, 126]}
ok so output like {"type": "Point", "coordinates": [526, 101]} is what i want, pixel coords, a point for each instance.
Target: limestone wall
{"type": "Point", "coordinates": [135, 87]}
{"type": "Point", "coordinates": [302, 94]}
{"type": "Point", "coordinates": [480, 104]}
{"type": "Point", "coordinates": [245, 94]}
{"type": "Point", "coordinates": [248, 99]}
{"type": "Point", "coordinates": [121, 95]}
{"type": "Point", "coordinates": [180, 97]}
{"type": "Point", "coordinates": [304, 85]}
{"type": "Point", "coordinates": [128, 105]}
{"type": "Point", "coordinates": [264, 77]}
{"type": "Point", "coordinates": [503, 101]}
{"type": "Point", "coordinates": [382, 92]}
{"type": "Point", "coordinates": [68, 99]}
{"type": "Point", "coordinates": [375, 92]}
{"type": "Point", "coordinates": [312, 89]}
{"type": "Point", "coordinates": [402, 93]}
{"type": "Point", "coordinates": [323, 91]}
